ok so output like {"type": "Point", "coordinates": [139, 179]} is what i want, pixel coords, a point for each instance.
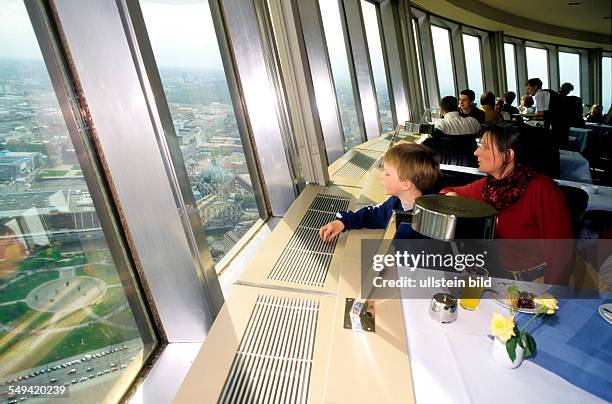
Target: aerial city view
{"type": "Point", "coordinates": [64, 315]}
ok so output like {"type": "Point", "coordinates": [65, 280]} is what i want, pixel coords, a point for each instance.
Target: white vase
{"type": "Point", "coordinates": [501, 355]}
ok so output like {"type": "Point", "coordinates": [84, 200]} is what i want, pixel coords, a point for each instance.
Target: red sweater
{"type": "Point", "coordinates": [541, 213]}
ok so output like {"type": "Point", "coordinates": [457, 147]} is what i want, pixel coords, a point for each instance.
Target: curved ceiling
{"type": "Point", "coordinates": [586, 24]}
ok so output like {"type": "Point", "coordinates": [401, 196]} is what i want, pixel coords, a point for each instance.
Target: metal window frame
{"type": "Point", "coordinates": [552, 68]}
{"type": "Point", "coordinates": [360, 65]}
{"type": "Point", "coordinates": [83, 134]}
{"type": "Point", "coordinates": [427, 57]}
{"type": "Point", "coordinates": [422, 82]}
{"type": "Point", "coordinates": [486, 56]}
{"type": "Point", "coordinates": [322, 78]}
{"type": "Point", "coordinates": [516, 77]}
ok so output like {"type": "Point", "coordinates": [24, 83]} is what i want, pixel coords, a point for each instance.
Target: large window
{"type": "Point", "coordinates": [336, 49]}
{"type": "Point", "coordinates": [537, 64]}
{"type": "Point", "coordinates": [569, 70]}
{"type": "Point", "coordinates": [473, 63]}
{"type": "Point", "coordinates": [67, 317]}
{"type": "Point", "coordinates": [510, 59]}
{"type": "Point", "coordinates": [184, 43]}
{"type": "Point", "coordinates": [444, 61]}
{"type": "Point", "coordinates": [606, 83]}
{"type": "Point", "coordinates": [370, 21]}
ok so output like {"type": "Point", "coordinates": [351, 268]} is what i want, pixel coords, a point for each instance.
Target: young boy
{"type": "Point", "coordinates": [409, 170]}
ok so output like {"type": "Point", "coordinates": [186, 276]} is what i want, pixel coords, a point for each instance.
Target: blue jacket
{"type": "Point", "coordinates": [377, 217]}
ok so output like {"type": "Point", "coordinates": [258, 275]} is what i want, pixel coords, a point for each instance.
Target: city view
{"type": "Point", "coordinates": [64, 315]}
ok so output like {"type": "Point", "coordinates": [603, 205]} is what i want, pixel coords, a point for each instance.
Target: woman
{"type": "Point", "coordinates": [529, 205]}
{"type": "Point", "coordinates": [526, 105]}
{"type": "Point", "coordinates": [487, 104]}
{"type": "Point", "coordinates": [595, 115]}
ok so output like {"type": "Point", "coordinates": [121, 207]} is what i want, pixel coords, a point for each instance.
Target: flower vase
{"type": "Point", "coordinates": [500, 354]}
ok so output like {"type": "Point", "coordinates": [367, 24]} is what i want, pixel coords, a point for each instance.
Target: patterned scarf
{"type": "Point", "coordinates": [506, 191]}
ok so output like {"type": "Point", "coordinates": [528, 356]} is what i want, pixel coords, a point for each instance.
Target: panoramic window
{"type": "Point", "coordinates": [417, 47]}
{"type": "Point", "coordinates": [185, 47]}
{"type": "Point", "coordinates": [473, 63]}
{"type": "Point", "coordinates": [569, 70]}
{"type": "Point", "coordinates": [606, 83]}
{"type": "Point", "coordinates": [510, 58]}
{"type": "Point", "coordinates": [444, 61]}
{"type": "Point", "coordinates": [336, 49]}
{"type": "Point", "coordinates": [370, 21]}
{"type": "Point", "coordinates": [537, 64]}
{"type": "Point", "coordinates": [66, 316]}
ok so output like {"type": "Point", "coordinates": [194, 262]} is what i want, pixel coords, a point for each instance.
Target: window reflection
{"type": "Point", "coordinates": [510, 58]}
{"type": "Point", "coordinates": [370, 21]}
{"type": "Point", "coordinates": [336, 49]}
{"type": "Point", "coordinates": [444, 60]}
{"type": "Point", "coordinates": [65, 317]}
{"type": "Point", "coordinates": [184, 43]}
{"type": "Point", "coordinates": [569, 70]}
{"type": "Point", "coordinates": [473, 63]}
{"type": "Point", "coordinates": [537, 64]}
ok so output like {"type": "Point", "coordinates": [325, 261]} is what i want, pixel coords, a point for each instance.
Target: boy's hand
{"type": "Point", "coordinates": [331, 230]}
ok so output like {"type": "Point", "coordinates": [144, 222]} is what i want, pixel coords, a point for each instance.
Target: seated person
{"type": "Point", "coordinates": [509, 98]}
{"type": "Point", "coordinates": [499, 104]}
{"type": "Point", "coordinates": [409, 170]}
{"type": "Point", "coordinates": [529, 205]}
{"type": "Point", "coordinates": [467, 106]}
{"type": "Point", "coordinates": [526, 105]}
{"type": "Point", "coordinates": [595, 115]}
{"type": "Point", "coordinates": [487, 104]}
{"type": "Point", "coordinates": [453, 123]}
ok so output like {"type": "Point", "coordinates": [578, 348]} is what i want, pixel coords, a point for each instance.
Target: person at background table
{"type": "Point", "coordinates": [467, 106]}
{"type": "Point", "coordinates": [487, 105]}
{"type": "Point", "coordinates": [533, 87]}
{"type": "Point", "coordinates": [453, 123]}
{"type": "Point", "coordinates": [526, 105]}
{"type": "Point", "coordinates": [530, 205]}
{"type": "Point", "coordinates": [499, 104]}
{"type": "Point", "coordinates": [509, 98]}
{"type": "Point", "coordinates": [595, 115]}
{"type": "Point", "coordinates": [409, 171]}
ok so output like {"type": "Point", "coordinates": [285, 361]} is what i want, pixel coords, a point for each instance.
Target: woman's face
{"type": "Point", "coordinates": [490, 160]}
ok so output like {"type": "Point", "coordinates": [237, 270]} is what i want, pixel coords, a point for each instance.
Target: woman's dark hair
{"type": "Point", "coordinates": [487, 98]}
{"type": "Point", "coordinates": [535, 82]}
{"type": "Point", "coordinates": [507, 136]}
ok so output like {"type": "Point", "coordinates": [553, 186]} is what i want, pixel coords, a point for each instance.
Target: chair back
{"type": "Point", "coordinates": [455, 150]}
{"type": "Point", "coordinates": [577, 200]}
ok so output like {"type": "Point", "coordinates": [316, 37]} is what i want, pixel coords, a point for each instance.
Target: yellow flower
{"type": "Point", "coordinates": [547, 301]}
{"type": "Point", "coordinates": [502, 327]}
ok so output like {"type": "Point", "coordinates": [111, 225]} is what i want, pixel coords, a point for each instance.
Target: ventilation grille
{"type": "Point", "coordinates": [274, 359]}
{"type": "Point", "coordinates": [305, 260]}
{"type": "Point", "coordinates": [358, 164]}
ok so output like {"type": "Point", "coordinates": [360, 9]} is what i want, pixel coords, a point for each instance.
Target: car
{"type": "Point", "coordinates": [89, 369]}
{"type": "Point", "coordinates": [114, 369]}
{"type": "Point", "coordinates": [100, 373]}
{"type": "Point", "coordinates": [124, 347]}
{"type": "Point", "coordinates": [53, 380]}
{"type": "Point", "coordinates": [71, 371]}
{"type": "Point", "coordinates": [112, 365]}
{"type": "Point", "coordinates": [132, 358]}
{"type": "Point", "coordinates": [123, 366]}
{"type": "Point", "coordinates": [74, 381]}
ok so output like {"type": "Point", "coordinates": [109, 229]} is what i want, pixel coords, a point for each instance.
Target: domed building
{"type": "Point", "coordinates": [215, 180]}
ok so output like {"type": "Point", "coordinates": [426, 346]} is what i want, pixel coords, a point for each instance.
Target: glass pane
{"type": "Point", "coordinates": [510, 56]}
{"type": "Point", "coordinates": [370, 20]}
{"type": "Point", "coordinates": [537, 64]}
{"type": "Point", "coordinates": [417, 46]}
{"type": "Point", "coordinates": [473, 63]}
{"type": "Point", "coordinates": [336, 48]}
{"type": "Point", "coordinates": [185, 47]}
{"type": "Point", "coordinates": [569, 71]}
{"type": "Point", "coordinates": [66, 316]}
{"type": "Point", "coordinates": [606, 83]}
{"type": "Point", "coordinates": [444, 61]}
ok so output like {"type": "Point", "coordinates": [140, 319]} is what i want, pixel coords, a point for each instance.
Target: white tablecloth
{"type": "Point", "coordinates": [452, 363]}
{"type": "Point", "coordinates": [574, 167]}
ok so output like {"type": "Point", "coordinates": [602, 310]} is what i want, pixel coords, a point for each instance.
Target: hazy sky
{"type": "Point", "coordinates": [17, 40]}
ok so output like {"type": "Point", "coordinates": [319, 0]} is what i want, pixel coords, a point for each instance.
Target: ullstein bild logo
{"type": "Point", "coordinates": [457, 262]}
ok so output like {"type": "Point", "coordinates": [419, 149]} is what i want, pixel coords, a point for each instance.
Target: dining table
{"type": "Point", "coordinates": [453, 363]}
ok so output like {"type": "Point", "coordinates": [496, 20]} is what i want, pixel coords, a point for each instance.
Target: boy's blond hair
{"type": "Point", "coordinates": [415, 163]}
